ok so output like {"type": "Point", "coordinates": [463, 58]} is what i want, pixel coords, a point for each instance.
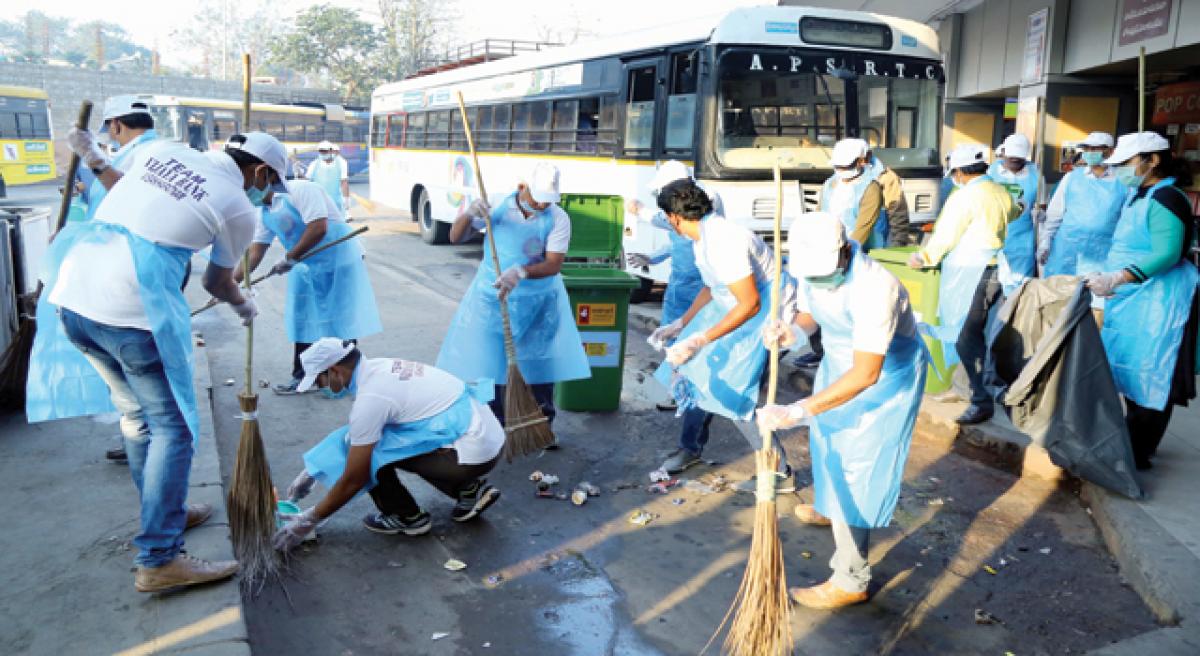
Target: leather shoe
{"type": "Point", "coordinates": [197, 514]}
{"type": "Point", "coordinates": [184, 570]}
{"type": "Point", "coordinates": [807, 514]}
{"type": "Point", "coordinates": [975, 415]}
{"type": "Point", "coordinates": [826, 596]}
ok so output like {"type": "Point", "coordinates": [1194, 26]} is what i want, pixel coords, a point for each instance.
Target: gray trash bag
{"type": "Point", "coordinates": [1061, 392]}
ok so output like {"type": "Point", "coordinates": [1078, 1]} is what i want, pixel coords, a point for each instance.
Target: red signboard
{"type": "Point", "coordinates": [1142, 20]}
{"type": "Point", "coordinates": [1177, 103]}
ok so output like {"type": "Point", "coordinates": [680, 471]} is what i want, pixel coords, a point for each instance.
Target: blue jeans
{"type": "Point", "coordinates": [157, 439]}
{"type": "Point", "coordinates": [694, 435]}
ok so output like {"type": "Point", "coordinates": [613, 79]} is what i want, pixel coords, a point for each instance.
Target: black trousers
{"type": "Point", "coordinates": [543, 393]}
{"type": "Point", "coordinates": [972, 341]}
{"type": "Point", "coordinates": [297, 349]}
{"type": "Point", "coordinates": [1146, 429]}
{"type": "Point", "coordinates": [439, 468]}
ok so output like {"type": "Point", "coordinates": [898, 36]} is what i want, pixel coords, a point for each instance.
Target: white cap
{"type": "Point", "coordinates": [966, 155]}
{"type": "Point", "coordinates": [224, 165]}
{"type": "Point", "coordinates": [1101, 139]}
{"type": "Point", "coordinates": [847, 151]}
{"type": "Point", "coordinates": [1016, 145]}
{"type": "Point", "coordinates": [814, 242]}
{"type": "Point", "coordinates": [1136, 144]}
{"type": "Point", "coordinates": [325, 145]}
{"type": "Point", "coordinates": [117, 106]}
{"type": "Point", "coordinates": [543, 183]}
{"type": "Point", "coordinates": [318, 358]}
{"type": "Point", "coordinates": [264, 147]}
{"type": "Point", "coordinates": [669, 172]}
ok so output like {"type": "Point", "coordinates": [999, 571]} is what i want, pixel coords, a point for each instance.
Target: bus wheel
{"type": "Point", "coordinates": [432, 230]}
{"type": "Point", "coordinates": [642, 293]}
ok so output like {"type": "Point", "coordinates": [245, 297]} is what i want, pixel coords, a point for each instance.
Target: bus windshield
{"type": "Point", "coordinates": [166, 122]}
{"type": "Point", "coordinates": [792, 105]}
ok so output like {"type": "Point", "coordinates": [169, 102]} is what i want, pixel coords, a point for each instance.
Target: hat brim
{"type": "Point", "coordinates": [1121, 155]}
{"type": "Point", "coordinates": [812, 263]}
{"type": "Point", "coordinates": [545, 197]}
{"type": "Point", "coordinates": [308, 381]}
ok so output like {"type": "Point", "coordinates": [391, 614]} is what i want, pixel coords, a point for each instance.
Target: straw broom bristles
{"type": "Point", "coordinates": [251, 503]}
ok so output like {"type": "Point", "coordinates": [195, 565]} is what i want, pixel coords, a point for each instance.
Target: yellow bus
{"type": "Point", "coordinates": [26, 151]}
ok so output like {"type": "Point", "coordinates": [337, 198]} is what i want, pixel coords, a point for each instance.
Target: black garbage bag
{"type": "Point", "coordinates": [1061, 392]}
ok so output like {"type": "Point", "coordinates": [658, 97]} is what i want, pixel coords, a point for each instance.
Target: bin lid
{"type": "Point", "coordinates": [597, 225]}
{"type": "Point", "coordinates": [894, 254]}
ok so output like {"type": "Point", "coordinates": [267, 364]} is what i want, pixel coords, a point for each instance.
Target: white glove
{"type": "Point", "coordinates": [777, 333]}
{"type": "Point", "coordinates": [83, 143]}
{"type": "Point", "coordinates": [916, 261]}
{"type": "Point", "coordinates": [345, 202]}
{"type": "Point", "coordinates": [301, 487]}
{"type": "Point", "coordinates": [282, 266]}
{"type": "Point", "coordinates": [680, 352]}
{"type": "Point", "coordinates": [1104, 284]}
{"type": "Point", "coordinates": [637, 260]}
{"type": "Point", "coordinates": [293, 533]}
{"type": "Point", "coordinates": [509, 279]}
{"type": "Point", "coordinates": [247, 309]}
{"type": "Point", "coordinates": [1043, 254]}
{"type": "Point", "coordinates": [663, 334]}
{"type": "Point", "coordinates": [777, 417]}
{"type": "Point", "coordinates": [634, 206]}
{"type": "Point", "coordinates": [479, 208]}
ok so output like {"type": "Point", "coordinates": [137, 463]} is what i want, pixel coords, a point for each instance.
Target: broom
{"type": "Point", "coordinates": [212, 302]}
{"type": "Point", "coordinates": [14, 363]}
{"type": "Point", "coordinates": [525, 427]}
{"type": "Point", "coordinates": [760, 625]}
{"type": "Point", "coordinates": [251, 498]}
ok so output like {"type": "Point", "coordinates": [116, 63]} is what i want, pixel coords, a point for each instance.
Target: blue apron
{"type": "Point", "coordinates": [328, 294]}
{"type": "Point", "coordinates": [549, 348]}
{"type": "Point", "coordinates": [62, 383]}
{"type": "Point", "coordinates": [859, 449]}
{"type": "Point", "coordinates": [95, 190]}
{"type": "Point", "coordinates": [1143, 323]}
{"type": "Point", "coordinates": [327, 460]}
{"type": "Point", "coordinates": [849, 214]}
{"type": "Point", "coordinates": [1093, 206]}
{"type": "Point", "coordinates": [684, 283]}
{"type": "Point", "coordinates": [329, 177]}
{"type": "Point", "coordinates": [1018, 260]}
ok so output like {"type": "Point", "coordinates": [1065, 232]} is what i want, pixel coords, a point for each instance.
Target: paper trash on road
{"type": "Point", "coordinates": [455, 565]}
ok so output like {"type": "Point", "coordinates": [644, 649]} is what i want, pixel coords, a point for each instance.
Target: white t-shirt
{"type": "Point", "coordinates": [505, 209]}
{"type": "Point", "coordinates": [309, 199]}
{"type": "Point", "coordinates": [338, 161]}
{"type": "Point", "coordinates": [728, 252]}
{"type": "Point", "coordinates": [393, 391]}
{"type": "Point", "coordinates": [877, 302]}
{"type": "Point", "coordinates": [170, 195]}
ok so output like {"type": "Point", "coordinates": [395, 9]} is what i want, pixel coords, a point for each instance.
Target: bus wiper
{"type": "Point", "coordinates": [837, 124]}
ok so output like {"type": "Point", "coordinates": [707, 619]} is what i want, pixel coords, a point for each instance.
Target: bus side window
{"type": "Point", "coordinates": [501, 122]}
{"type": "Point", "coordinates": [8, 124]}
{"type": "Point", "coordinates": [293, 130]}
{"type": "Point", "coordinates": [379, 125]}
{"type": "Point", "coordinates": [539, 126]}
{"type": "Point", "coordinates": [520, 127]}
{"type": "Point", "coordinates": [606, 132]}
{"type": "Point", "coordinates": [395, 135]}
{"type": "Point", "coordinates": [437, 130]}
{"type": "Point", "coordinates": [481, 128]}
{"type": "Point", "coordinates": [681, 102]}
{"type": "Point", "coordinates": [223, 128]}
{"type": "Point", "coordinates": [414, 134]}
{"type": "Point", "coordinates": [639, 111]}
{"type": "Point", "coordinates": [567, 121]}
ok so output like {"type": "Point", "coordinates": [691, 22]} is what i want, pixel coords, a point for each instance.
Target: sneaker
{"type": "Point", "coordinates": [809, 360]}
{"type": "Point", "coordinates": [184, 570]}
{"type": "Point", "coordinates": [807, 514]}
{"type": "Point", "coordinates": [418, 524]}
{"type": "Point", "coordinates": [667, 406]}
{"type": "Point", "coordinates": [288, 388]}
{"type": "Point", "coordinates": [117, 455]}
{"type": "Point", "coordinates": [197, 514]}
{"type": "Point", "coordinates": [474, 501]}
{"type": "Point", "coordinates": [975, 414]}
{"type": "Point", "coordinates": [784, 483]}
{"type": "Point", "coordinates": [679, 460]}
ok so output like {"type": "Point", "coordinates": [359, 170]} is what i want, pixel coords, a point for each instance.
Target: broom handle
{"type": "Point", "coordinates": [214, 302]}
{"type": "Point", "coordinates": [85, 115]}
{"type": "Point", "coordinates": [246, 255]}
{"type": "Point", "coordinates": [773, 363]}
{"type": "Point", "coordinates": [510, 349]}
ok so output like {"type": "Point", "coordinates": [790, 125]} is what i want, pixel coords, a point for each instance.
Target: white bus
{"type": "Point", "coordinates": [727, 96]}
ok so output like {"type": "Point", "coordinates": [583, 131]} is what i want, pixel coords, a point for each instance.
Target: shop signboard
{"type": "Point", "coordinates": [1176, 103]}
{"type": "Point", "coordinates": [1035, 46]}
{"type": "Point", "coordinates": [1142, 20]}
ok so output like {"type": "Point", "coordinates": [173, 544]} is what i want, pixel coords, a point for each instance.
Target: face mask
{"type": "Point", "coordinates": [328, 392]}
{"type": "Point", "coordinates": [848, 174]}
{"type": "Point", "coordinates": [1127, 175]}
{"type": "Point", "coordinates": [327, 158]}
{"type": "Point", "coordinates": [257, 196]}
{"type": "Point", "coordinates": [1092, 158]}
{"type": "Point", "coordinates": [831, 281]}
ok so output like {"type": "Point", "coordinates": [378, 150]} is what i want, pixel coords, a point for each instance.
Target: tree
{"type": "Point", "coordinates": [331, 41]}
{"type": "Point", "coordinates": [221, 30]}
{"type": "Point", "coordinates": [412, 33]}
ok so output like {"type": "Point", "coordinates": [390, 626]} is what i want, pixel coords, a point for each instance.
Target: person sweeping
{"type": "Point", "coordinates": [865, 396]}
{"type": "Point", "coordinates": [114, 328]}
{"type": "Point", "coordinates": [532, 234]}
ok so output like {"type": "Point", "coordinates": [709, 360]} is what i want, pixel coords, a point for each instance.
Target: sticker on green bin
{"type": "Point", "coordinates": [596, 314]}
{"type": "Point", "coordinates": [602, 349]}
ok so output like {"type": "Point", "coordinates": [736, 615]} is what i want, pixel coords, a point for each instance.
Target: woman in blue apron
{"type": "Point", "coordinates": [548, 345]}
{"type": "Point", "coordinates": [859, 446]}
{"type": "Point", "coordinates": [1020, 177]}
{"type": "Point", "coordinates": [1092, 202]}
{"type": "Point", "coordinates": [716, 361]}
{"type": "Point", "coordinates": [1149, 292]}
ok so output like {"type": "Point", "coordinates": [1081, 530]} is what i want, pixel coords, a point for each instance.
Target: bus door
{"type": "Point", "coordinates": [197, 128]}
{"type": "Point", "coordinates": [642, 138]}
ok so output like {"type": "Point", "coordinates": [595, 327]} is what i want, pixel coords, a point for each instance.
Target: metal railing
{"type": "Point", "coordinates": [479, 52]}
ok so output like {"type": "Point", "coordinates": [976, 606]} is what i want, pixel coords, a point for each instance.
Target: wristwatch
{"type": "Point", "coordinates": [100, 170]}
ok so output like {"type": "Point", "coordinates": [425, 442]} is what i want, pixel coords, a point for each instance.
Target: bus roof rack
{"type": "Point", "coordinates": [479, 52]}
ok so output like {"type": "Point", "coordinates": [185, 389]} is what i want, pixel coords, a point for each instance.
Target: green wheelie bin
{"type": "Point", "coordinates": [922, 286]}
{"type": "Point", "coordinates": [599, 290]}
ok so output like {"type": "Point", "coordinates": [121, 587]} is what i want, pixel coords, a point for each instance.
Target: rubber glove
{"type": "Point", "coordinates": [1105, 285]}
{"type": "Point", "coordinates": [282, 266]}
{"type": "Point", "coordinates": [916, 261]}
{"type": "Point", "coordinates": [83, 143]}
{"type": "Point", "coordinates": [1043, 254]}
{"type": "Point", "coordinates": [479, 208]}
{"type": "Point", "coordinates": [638, 260]}
{"type": "Point", "coordinates": [247, 309]}
{"type": "Point", "coordinates": [680, 352]}
{"type": "Point", "coordinates": [509, 279]}
{"type": "Point", "coordinates": [776, 332]}
{"type": "Point", "coordinates": [634, 206]}
{"type": "Point", "coordinates": [301, 487]}
{"type": "Point", "coordinates": [293, 533]}
{"type": "Point", "coordinates": [663, 334]}
{"type": "Point", "coordinates": [777, 417]}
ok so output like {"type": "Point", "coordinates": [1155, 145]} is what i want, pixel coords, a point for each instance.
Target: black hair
{"type": "Point", "coordinates": [974, 168]}
{"type": "Point", "coordinates": [351, 359]}
{"type": "Point", "coordinates": [684, 198]}
{"type": "Point", "coordinates": [137, 121]}
{"type": "Point", "coordinates": [1170, 166]}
